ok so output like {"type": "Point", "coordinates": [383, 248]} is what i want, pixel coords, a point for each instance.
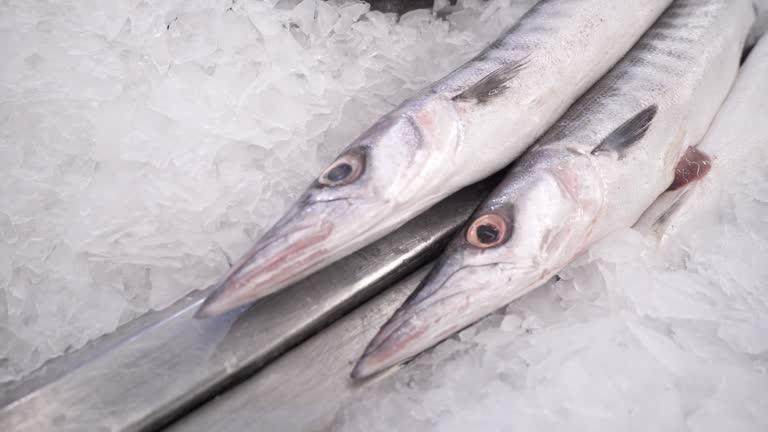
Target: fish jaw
{"type": "Point", "coordinates": [314, 234]}
{"type": "Point", "coordinates": [322, 227]}
{"type": "Point", "coordinates": [391, 173]}
{"type": "Point", "coordinates": [295, 247]}
{"type": "Point", "coordinates": [471, 281]}
{"type": "Point", "coordinates": [452, 297]}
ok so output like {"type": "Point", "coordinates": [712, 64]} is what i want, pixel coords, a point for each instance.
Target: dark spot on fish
{"type": "Point", "coordinates": [168, 27]}
{"type": "Point", "coordinates": [487, 234]}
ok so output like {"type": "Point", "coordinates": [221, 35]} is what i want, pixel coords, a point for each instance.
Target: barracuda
{"type": "Point", "coordinates": [463, 128]}
{"type": "Point", "coordinates": [737, 138]}
{"type": "Point", "coordinates": [597, 170]}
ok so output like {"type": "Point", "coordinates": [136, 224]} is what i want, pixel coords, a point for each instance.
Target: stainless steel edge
{"type": "Point", "coordinates": [150, 376]}
{"type": "Point", "coordinates": [304, 389]}
{"type": "Point", "coordinates": [58, 367]}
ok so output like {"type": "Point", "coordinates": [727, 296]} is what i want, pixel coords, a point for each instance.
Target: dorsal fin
{"type": "Point", "coordinates": [492, 85]}
{"type": "Point", "coordinates": [630, 132]}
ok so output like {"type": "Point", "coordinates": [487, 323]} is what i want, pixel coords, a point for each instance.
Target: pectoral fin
{"type": "Point", "coordinates": [658, 218]}
{"type": "Point", "coordinates": [492, 85]}
{"type": "Point", "coordinates": [628, 134]}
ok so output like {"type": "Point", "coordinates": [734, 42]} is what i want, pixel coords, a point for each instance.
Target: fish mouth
{"type": "Point", "coordinates": [403, 343]}
{"type": "Point", "coordinates": [383, 356]}
{"type": "Point", "coordinates": [268, 267]}
{"type": "Point", "coordinates": [449, 300]}
{"type": "Point", "coordinates": [419, 324]}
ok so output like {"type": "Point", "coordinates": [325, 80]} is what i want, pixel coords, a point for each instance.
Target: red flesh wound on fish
{"type": "Point", "coordinates": [693, 166]}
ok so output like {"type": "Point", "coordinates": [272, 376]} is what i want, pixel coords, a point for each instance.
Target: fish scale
{"type": "Point", "coordinates": [596, 171]}
{"type": "Point", "coordinates": [546, 27]}
{"type": "Point", "coordinates": [547, 17]}
{"type": "Point", "coordinates": [652, 69]}
{"type": "Point", "coordinates": [461, 129]}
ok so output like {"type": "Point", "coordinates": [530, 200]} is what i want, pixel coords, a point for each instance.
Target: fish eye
{"type": "Point", "coordinates": [487, 234]}
{"type": "Point", "coordinates": [339, 172]}
{"type": "Point", "coordinates": [487, 231]}
{"type": "Point", "coordinates": [344, 170]}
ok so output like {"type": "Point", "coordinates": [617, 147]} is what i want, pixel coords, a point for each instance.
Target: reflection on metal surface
{"type": "Point", "coordinates": [304, 389]}
{"type": "Point", "coordinates": [151, 375]}
{"type": "Point", "coordinates": [58, 367]}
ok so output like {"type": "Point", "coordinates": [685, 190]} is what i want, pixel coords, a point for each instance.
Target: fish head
{"type": "Point", "coordinates": [514, 243]}
{"type": "Point", "coordinates": [361, 196]}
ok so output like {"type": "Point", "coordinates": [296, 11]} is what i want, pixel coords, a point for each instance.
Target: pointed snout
{"type": "Point", "coordinates": [454, 296]}
{"type": "Point", "coordinates": [404, 341]}
{"type": "Point", "coordinates": [288, 253]}
{"type": "Point", "coordinates": [434, 312]}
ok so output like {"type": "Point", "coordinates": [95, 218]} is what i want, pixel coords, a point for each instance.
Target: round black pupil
{"type": "Point", "coordinates": [339, 172]}
{"type": "Point", "coordinates": [487, 234]}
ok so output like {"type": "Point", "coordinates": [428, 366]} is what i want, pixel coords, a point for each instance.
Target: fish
{"type": "Point", "coordinates": [737, 138]}
{"type": "Point", "coordinates": [461, 129]}
{"type": "Point", "coordinates": [596, 171]}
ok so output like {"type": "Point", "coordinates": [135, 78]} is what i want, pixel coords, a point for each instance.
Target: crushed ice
{"type": "Point", "coordinates": [143, 145]}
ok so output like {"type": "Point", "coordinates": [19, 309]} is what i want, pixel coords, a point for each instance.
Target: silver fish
{"type": "Point", "coordinates": [461, 129]}
{"type": "Point", "coordinates": [737, 138]}
{"type": "Point", "coordinates": [597, 170]}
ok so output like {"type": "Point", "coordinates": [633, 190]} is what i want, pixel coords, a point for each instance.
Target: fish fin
{"type": "Point", "coordinates": [693, 166]}
{"type": "Point", "coordinates": [659, 225]}
{"type": "Point", "coordinates": [658, 218]}
{"type": "Point", "coordinates": [751, 40]}
{"type": "Point", "coordinates": [630, 132]}
{"type": "Point", "coordinates": [492, 85]}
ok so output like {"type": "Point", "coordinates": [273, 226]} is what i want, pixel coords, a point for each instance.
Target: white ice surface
{"type": "Point", "coordinates": [636, 336]}
{"type": "Point", "coordinates": [145, 143]}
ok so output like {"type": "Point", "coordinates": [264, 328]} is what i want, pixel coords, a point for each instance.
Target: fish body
{"type": "Point", "coordinates": [596, 171]}
{"type": "Point", "coordinates": [737, 138]}
{"type": "Point", "coordinates": [457, 131]}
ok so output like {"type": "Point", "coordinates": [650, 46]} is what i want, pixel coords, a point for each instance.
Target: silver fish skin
{"type": "Point", "coordinates": [461, 129]}
{"type": "Point", "coordinates": [596, 171]}
{"type": "Point", "coordinates": [737, 138]}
